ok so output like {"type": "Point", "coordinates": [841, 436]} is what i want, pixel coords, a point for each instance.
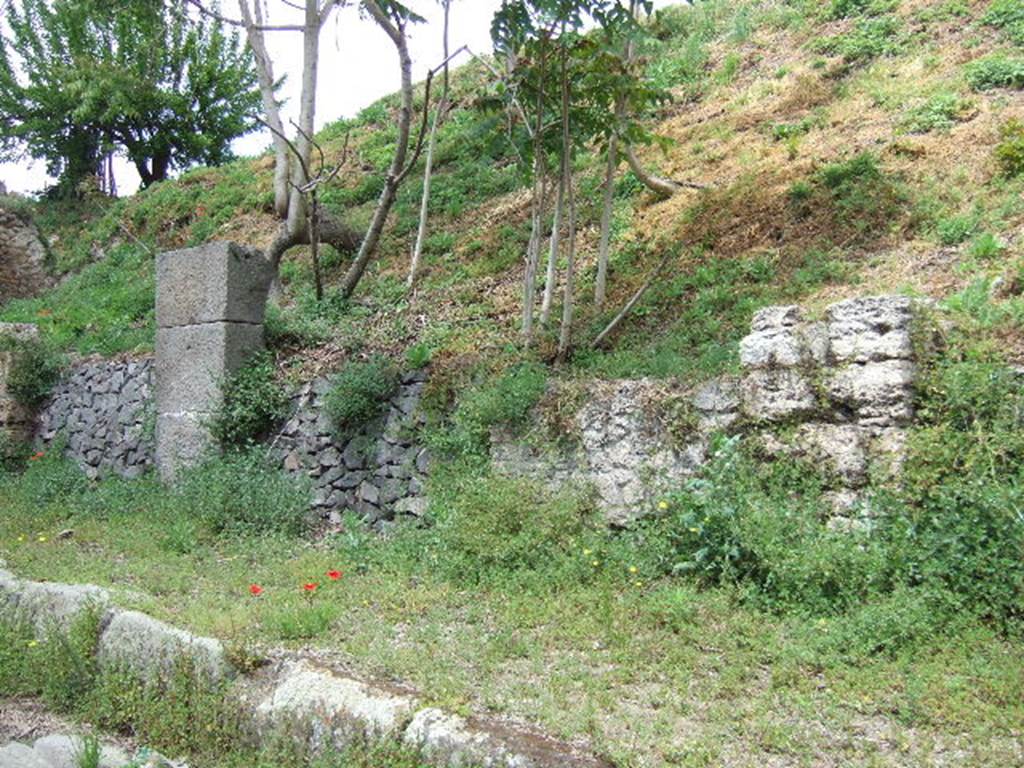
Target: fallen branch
{"type": "Point", "coordinates": [617, 321]}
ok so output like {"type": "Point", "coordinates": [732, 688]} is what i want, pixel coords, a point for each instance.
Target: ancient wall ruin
{"type": "Point", "coordinates": [22, 257]}
{"type": "Point", "coordinates": [838, 391]}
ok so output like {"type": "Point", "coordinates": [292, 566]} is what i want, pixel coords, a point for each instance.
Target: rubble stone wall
{"type": "Point", "coordinates": [103, 414]}
{"type": "Point", "coordinates": [838, 391]}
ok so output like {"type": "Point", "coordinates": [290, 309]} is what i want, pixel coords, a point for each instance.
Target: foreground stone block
{"type": "Point", "coordinates": [871, 329]}
{"type": "Point", "coordinates": [777, 394]}
{"type": "Point", "coordinates": [50, 607]}
{"type": "Point", "coordinates": [193, 361]}
{"type": "Point", "coordinates": [216, 282]}
{"type": "Point", "coordinates": [337, 710]}
{"type": "Point", "coordinates": [62, 751]}
{"type": "Point", "coordinates": [21, 756]}
{"type": "Point", "coordinates": [878, 394]}
{"type": "Point", "coordinates": [134, 641]}
{"type": "Point", "coordinates": [454, 741]}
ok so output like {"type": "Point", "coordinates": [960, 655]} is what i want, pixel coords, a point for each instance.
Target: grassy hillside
{"type": "Point", "coordinates": [845, 147]}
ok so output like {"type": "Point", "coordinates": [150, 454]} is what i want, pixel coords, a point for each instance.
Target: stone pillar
{"type": "Point", "coordinates": [210, 304]}
{"type": "Point", "coordinates": [15, 419]}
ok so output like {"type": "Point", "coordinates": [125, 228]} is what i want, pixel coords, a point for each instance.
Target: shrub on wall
{"type": "Point", "coordinates": [359, 393]}
{"type": "Point", "coordinates": [254, 402]}
{"type": "Point", "coordinates": [35, 368]}
{"type": "Point", "coordinates": [1010, 151]}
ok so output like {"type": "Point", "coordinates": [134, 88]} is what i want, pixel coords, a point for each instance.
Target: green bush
{"type": "Point", "coordinates": [954, 230]}
{"type": "Point", "coordinates": [35, 368]}
{"type": "Point", "coordinates": [506, 400]}
{"type": "Point", "coordinates": [841, 9]}
{"type": "Point", "coordinates": [359, 393]}
{"type": "Point", "coordinates": [492, 526]}
{"type": "Point", "coordinates": [868, 39]}
{"type": "Point", "coordinates": [939, 113]}
{"type": "Point", "coordinates": [243, 493]}
{"type": "Point", "coordinates": [1007, 15]}
{"type": "Point", "coordinates": [254, 402]}
{"type": "Point", "coordinates": [1010, 150]}
{"type": "Point", "coordinates": [995, 71]}
{"type": "Point", "coordinates": [861, 194]}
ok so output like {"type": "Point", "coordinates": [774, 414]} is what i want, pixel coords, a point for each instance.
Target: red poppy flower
{"type": "Point", "coordinates": [255, 590]}
{"type": "Point", "coordinates": [311, 587]}
{"type": "Point", "coordinates": [334, 575]}
{"type": "Point", "coordinates": [37, 456]}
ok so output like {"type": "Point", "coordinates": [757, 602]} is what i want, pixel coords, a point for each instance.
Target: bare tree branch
{"type": "Point", "coordinates": [239, 23]}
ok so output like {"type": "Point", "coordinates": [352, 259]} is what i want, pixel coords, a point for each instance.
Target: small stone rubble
{"type": "Point", "coordinates": [378, 473]}
{"type": "Point", "coordinates": [104, 412]}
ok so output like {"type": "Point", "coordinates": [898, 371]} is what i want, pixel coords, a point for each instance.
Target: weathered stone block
{"type": "Point", "coordinates": [871, 328]}
{"type": "Point", "coordinates": [339, 710]}
{"type": "Point", "coordinates": [135, 641]}
{"type": "Point", "coordinates": [878, 393]}
{"type": "Point", "coordinates": [216, 282]}
{"type": "Point", "coordinates": [193, 361]}
{"type": "Point", "coordinates": [777, 394]}
{"type": "Point", "coordinates": [182, 441]}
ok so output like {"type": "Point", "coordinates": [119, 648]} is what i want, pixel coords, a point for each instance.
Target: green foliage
{"type": "Point", "coordinates": [868, 39]}
{"type": "Point", "coordinates": [997, 70]}
{"type": "Point", "coordinates": [861, 196]}
{"type": "Point", "coordinates": [80, 78]}
{"type": "Point", "coordinates": [1007, 15]}
{"type": "Point", "coordinates": [34, 369]}
{"type": "Point", "coordinates": [418, 355]}
{"type": "Point", "coordinates": [244, 493]}
{"type": "Point", "coordinates": [841, 9]}
{"type": "Point", "coordinates": [505, 400]}
{"type": "Point", "coordinates": [107, 308]}
{"type": "Point", "coordinates": [254, 402]}
{"type": "Point", "coordinates": [1009, 152]}
{"type": "Point", "coordinates": [939, 113]}
{"type": "Point", "coordinates": [954, 230]}
{"type": "Point", "coordinates": [493, 527]}
{"type": "Point", "coordinates": [359, 393]}
{"type": "Point", "coordinates": [987, 247]}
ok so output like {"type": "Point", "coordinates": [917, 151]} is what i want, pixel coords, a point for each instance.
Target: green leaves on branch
{"type": "Point", "coordinates": [80, 79]}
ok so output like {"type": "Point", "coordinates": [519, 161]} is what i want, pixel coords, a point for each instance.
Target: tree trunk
{"type": "Point", "coordinates": [396, 31]}
{"type": "Point", "coordinates": [552, 273]}
{"type": "Point", "coordinates": [601, 284]}
{"type": "Point", "coordinates": [657, 184]}
{"type": "Point", "coordinates": [307, 114]}
{"type": "Point", "coordinates": [271, 110]}
{"type": "Point", "coordinates": [624, 313]}
{"type": "Point", "coordinates": [565, 333]}
{"type": "Point", "coordinates": [421, 233]}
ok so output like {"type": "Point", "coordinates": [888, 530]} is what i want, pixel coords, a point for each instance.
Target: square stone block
{"type": "Point", "coordinates": [215, 282]}
{"type": "Point", "coordinates": [182, 441]}
{"type": "Point", "coordinates": [193, 361]}
{"type": "Point", "coordinates": [879, 393]}
{"type": "Point", "coordinates": [777, 394]}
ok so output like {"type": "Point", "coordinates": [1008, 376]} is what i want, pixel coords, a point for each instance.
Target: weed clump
{"type": "Point", "coordinates": [995, 71]}
{"type": "Point", "coordinates": [868, 39]}
{"type": "Point", "coordinates": [253, 403]}
{"type": "Point", "coordinates": [1007, 15]}
{"type": "Point", "coordinates": [34, 369]}
{"type": "Point", "coordinates": [1009, 152]}
{"type": "Point", "coordinates": [939, 113]}
{"type": "Point", "coordinates": [359, 393]}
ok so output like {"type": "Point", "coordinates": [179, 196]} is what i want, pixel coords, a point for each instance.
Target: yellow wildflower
{"type": "Point", "coordinates": [596, 563]}
{"type": "Point", "coordinates": [41, 539]}
{"type": "Point", "coordinates": [586, 553]}
{"type": "Point", "coordinates": [32, 643]}
{"type": "Point", "coordinates": [639, 584]}
{"type": "Point", "coordinates": [694, 530]}
{"type": "Point", "coordinates": [662, 505]}
{"type": "Point", "coordinates": [21, 538]}
{"type": "Point", "coordinates": [632, 569]}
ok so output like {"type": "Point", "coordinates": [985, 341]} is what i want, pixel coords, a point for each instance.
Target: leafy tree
{"type": "Point", "coordinates": [82, 78]}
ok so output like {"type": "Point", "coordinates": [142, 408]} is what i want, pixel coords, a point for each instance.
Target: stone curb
{"type": "Point", "coordinates": [323, 706]}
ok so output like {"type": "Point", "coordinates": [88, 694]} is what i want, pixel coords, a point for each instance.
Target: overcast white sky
{"type": "Point", "coordinates": [358, 65]}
